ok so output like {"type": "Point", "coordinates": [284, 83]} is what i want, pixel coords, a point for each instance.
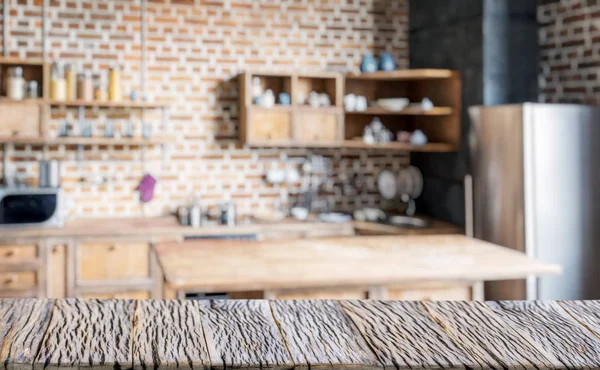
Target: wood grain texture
{"type": "Point", "coordinates": [487, 338]}
{"type": "Point", "coordinates": [357, 261]}
{"type": "Point", "coordinates": [317, 333]}
{"type": "Point", "coordinates": [587, 313]}
{"type": "Point", "coordinates": [243, 334]}
{"type": "Point", "coordinates": [404, 336]}
{"type": "Point", "coordinates": [22, 326]}
{"type": "Point", "coordinates": [85, 333]}
{"type": "Point", "coordinates": [168, 334]}
{"type": "Point", "coordinates": [553, 329]}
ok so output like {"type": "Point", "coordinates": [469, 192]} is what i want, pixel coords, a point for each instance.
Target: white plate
{"type": "Point", "coordinates": [387, 184]}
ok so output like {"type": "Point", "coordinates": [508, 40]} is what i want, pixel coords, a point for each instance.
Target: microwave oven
{"type": "Point", "coordinates": [31, 207]}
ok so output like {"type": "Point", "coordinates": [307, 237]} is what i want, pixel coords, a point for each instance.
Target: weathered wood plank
{"type": "Point", "coordinates": [403, 335]}
{"type": "Point", "coordinates": [167, 335]}
{"type": "Point", "coordinates": [23, 323]}
{"type": "Point", "coordinates": [85, 333]}
{"type": "Point", "coordinates": [483, 334]}
{"type": "Point", "coordinates": [243, 334]}
{"type": "Point", "coordinates": [587, 313]}
{"type": "Point", "coordinates": [317, 333]}
{"type": "Point", "coordinates": [553, 329]}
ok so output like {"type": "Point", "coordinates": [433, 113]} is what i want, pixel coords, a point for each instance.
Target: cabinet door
{"type": "Point", "coordinates": [113, 261]}
{"type": "Point", "coordinates": [452, 293]}
{"type": "Point", "coordinates": [117, 295]}
{"type": "Point", "coordinates": [329, 293]}
{"type": "Point", "coordinates": [269, 126]}
{"type": "Point", "coordinates": [317, 127]}
{"type": "Point", "coordinates": [20, 119]}
{"type": "Point", "coordinates": [18, 280]}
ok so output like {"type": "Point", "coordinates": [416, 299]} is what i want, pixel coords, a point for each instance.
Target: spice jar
{"type": "Point", "coordinates": [114, 84]}
{"type": "Point", "coordinates": [15, 83]}
{"type": "Point", "coordinates": [32, 89]}
{"type": "Point", "coordinates": [58, 85]}
{"type": "Point", "coordinates": [85, 86]}
{"type": "Point", "coordinates": [71, 78]}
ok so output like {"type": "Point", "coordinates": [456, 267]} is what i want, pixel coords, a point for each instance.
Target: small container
{"type": "Point", "coordinates": [146, 131]}
{"type": "Point", "coordinates": [15, 84]}
{"type": "Point", "coordinates": [109, 129]}
{"type": "Point", "coordinates": [195, 215]}
{"type": "Point", "coordinates": [100, 91]}
{"type": "Point", "coordinates": [85, 86]}
{"type": "Point", "coordinates": [71, 81]}
{"type": "Point", "coordinates": [49, 174]}
{"type": "Point", "coordinates": [228, 214]}
{"type": "Point", "coordinates": [114, 84]}
{"type": "Point", "coordinates": [58, 85]}
{"type": "Point", "coordinates": [32, 90]}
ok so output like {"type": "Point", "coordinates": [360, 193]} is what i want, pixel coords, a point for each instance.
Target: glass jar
{"type": "Point", "coordinates": [15, 84]}
{"type": "Point", "coordinates": [114, 84]}
{"type": "Point", "coordinates": [58, 85]}
{"type": "Point", "coordinates": [85, 86]}
{"type": "Point", "coordinates": [71, 81]}
{"type": "Point", "coordinates": [32, 89]}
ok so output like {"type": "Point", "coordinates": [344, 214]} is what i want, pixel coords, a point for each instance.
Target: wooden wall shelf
{"type": "Point", "coordinates": [404, 75]}
{"type": "Point", "coordinates": [85, 141]}
{"type": "Point", "coordinates": [409, 111]}
{"type": "Point", "coordinates": [107, 104]}
{"type": "Point", "coordinates": [301, 126]}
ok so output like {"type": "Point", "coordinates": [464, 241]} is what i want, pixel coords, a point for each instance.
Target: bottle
{"type": "Point", "coordinates": [114, 84]}
{"type": "Point", "coordinates": [15, 84]}
{"type": "Point", "coordinates": [100, 92]}
{"type": "Point", "coordinates": [58, 85]}
{"type": "Point", "coordinates": [71, 80]}
{"type": "Point", "coordinates": [85, 86]}
{"type": "Point", "coordinates": [32, 89]}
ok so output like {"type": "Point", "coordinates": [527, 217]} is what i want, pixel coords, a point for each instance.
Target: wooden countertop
{"type": "Point", "coordinates": [340, 261]}
{"type": "Point", "coordinates": [169, 227]}
{"type": "Point", "coordinates": [278, 335]}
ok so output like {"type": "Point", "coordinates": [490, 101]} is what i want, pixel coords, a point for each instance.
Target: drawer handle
{"type": "Point", "coordinates": [9, 281]}
{"type": "Point", "coordinates": [9, 253]}
{"type": "Point", "coordinates": [112, 248]}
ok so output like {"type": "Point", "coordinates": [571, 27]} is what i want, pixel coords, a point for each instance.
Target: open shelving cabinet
{"type": "Point", "coordinates": [26, 121]}
{"type": "Point", "coordinates": [295, 124]}
{"type": "Point", "coordinates": [302, 126]}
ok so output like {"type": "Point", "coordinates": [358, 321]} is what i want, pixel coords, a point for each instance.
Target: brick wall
{"type": "Point", "coordinates": [569, 37]}
{"type": "Point", "coordinates": [194, 49]}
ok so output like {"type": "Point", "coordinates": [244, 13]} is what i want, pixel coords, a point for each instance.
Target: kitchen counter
{"type": "Point", "coordinates": [361, 261]}
{"type": "Point", "coordinates": [169, 227]}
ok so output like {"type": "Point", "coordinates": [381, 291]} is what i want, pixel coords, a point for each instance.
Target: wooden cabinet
{"type": "Point", "coordinates": [21, 270]}
{"type": "Point", "coordinates": [448, 293]}
{"type": "Point", "coordinates": [112, 261]}
{"type": "Point", "coordinates": [297, 124]}
{"type": "Point", "coordinates": [117, 295]}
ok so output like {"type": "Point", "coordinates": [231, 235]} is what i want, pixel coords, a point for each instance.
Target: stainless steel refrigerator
{"type": "Point", "coordinates": [536, 189]}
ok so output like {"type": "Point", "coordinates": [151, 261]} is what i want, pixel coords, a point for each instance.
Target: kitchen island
{"type": "Point", "coordinates": [338, 335]}
{"type": "Point", "coordinates": [115, 258]}
{"type": "Point", "coordinates": [377, 267]}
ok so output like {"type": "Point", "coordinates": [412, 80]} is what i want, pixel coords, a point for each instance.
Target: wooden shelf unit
{"type": "Point", "coordinates": [330, 127]}
{"type": "Point", "coordinates": [25, 121]}
{"type": "Point", "coordinates": [441, 125]}
{"type": "Point", "coordinates": [85, 141]}
{"type": "Point", "coordinates": [296, 125]}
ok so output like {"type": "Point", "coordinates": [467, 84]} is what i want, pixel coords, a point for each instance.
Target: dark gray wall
{"type": "Point", "coordinates": [493, 44]}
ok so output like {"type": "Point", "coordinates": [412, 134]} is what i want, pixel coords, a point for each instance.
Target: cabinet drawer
{"type": "Point", "coordinates": [453, 293]}
{"type": "Point", "coordinates": [266, 126]}
{"type": "Point", "coordinates": [113, 261]}
{"type": "Point", "coordinates": [318, 127]}
{"type": "Point", "coordinates": [17, 253]}
{"type": "Point", "coordinates": [17, 280]}
{"type": "Point", "coordinates": [117, 295]}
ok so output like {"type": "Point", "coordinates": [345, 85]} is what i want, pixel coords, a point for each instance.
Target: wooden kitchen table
{"type": "Point", "coordinates": [337, 335]}
{"type": "Point", "coordinates": [409, 267]}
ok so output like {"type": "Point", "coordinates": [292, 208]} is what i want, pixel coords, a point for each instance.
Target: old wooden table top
{"type": "Point", "coordinates": [114, 334]}
{"type": "Point", "coordinates": [233, 265]}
